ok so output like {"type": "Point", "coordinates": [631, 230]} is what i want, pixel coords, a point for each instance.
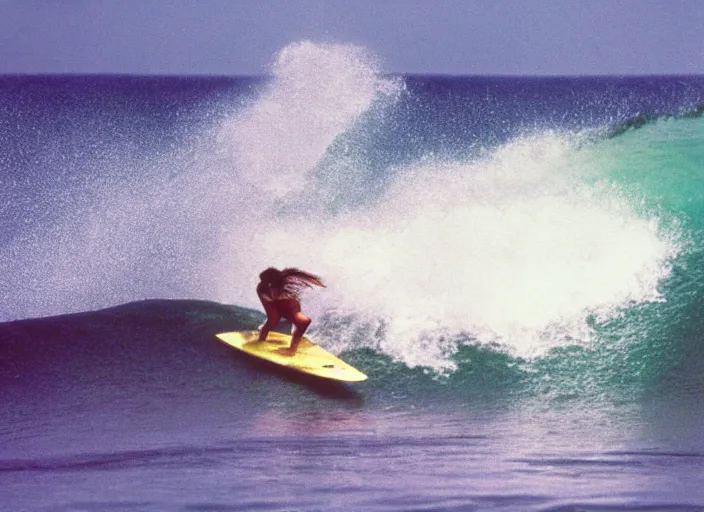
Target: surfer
{"type": "Point", "coordinates": [279, 291]}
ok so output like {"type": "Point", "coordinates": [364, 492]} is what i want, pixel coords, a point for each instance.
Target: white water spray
{"type": "Point", "coordinates": [509, 249]}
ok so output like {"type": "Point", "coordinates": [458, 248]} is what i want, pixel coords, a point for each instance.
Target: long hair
{"type": "Point", "coordinates": [290, 280]}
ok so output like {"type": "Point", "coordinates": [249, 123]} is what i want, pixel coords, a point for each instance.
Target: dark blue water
{"type": "Point", "coordinates": [515, 262]}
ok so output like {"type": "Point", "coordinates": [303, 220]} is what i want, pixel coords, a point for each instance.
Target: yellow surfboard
{"type": "Point", "coordinates": [309, 358]}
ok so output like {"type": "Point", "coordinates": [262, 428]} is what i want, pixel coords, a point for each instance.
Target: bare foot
{"type": "Point", "coordinates": [289, 352]}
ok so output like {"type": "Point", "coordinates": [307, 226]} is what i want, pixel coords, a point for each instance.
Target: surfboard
{"type": "Point", "coordinates": [309, 358]}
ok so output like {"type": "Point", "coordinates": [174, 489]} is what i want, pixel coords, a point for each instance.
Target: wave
{"type": "Point", "coordinates": [445, 250]}
{"type": "Point", "coordinates": [156, 350]}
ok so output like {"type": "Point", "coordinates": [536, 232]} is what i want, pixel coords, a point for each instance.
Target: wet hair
{"type": "Point", "coordinates": [289, 280]}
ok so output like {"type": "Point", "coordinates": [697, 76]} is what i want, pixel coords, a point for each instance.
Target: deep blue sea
{"type": "Point", "coordinates": [515, 262]}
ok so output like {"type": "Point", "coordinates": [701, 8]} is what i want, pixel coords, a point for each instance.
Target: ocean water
{"type": "Point", "coordinates": [516, 263]}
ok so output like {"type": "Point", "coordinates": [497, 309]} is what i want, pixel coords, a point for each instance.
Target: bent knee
{"type": "Point", "coordinates": [302, 322]}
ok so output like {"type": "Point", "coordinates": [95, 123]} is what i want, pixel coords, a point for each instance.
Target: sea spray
{"type": "Point", "coordinates": [130, 223]}
{"type": "Point", "coordinates": [510, 249]}
{"type": "Point", "coordinates": [522, 243]}
{"type": "Point", "coordinates": [317, 92]}
{"type": "Point", "coordinates": [279, 147]}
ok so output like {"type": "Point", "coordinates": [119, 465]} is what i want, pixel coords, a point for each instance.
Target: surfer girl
{"type": "Point", "coordinates": [279, 291]}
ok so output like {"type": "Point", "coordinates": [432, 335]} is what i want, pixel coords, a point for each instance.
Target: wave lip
{"type": "Point", "coordinates": [642, 119]}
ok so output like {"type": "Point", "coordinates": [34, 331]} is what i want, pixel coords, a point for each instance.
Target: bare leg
{"type": "Point", "coordinates": [301, 323]}
{"type": "Point", "coordinates": [272, 320]}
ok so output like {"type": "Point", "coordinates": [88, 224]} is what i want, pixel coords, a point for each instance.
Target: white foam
{"type": "Point", "coordinates": [510, 249]}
